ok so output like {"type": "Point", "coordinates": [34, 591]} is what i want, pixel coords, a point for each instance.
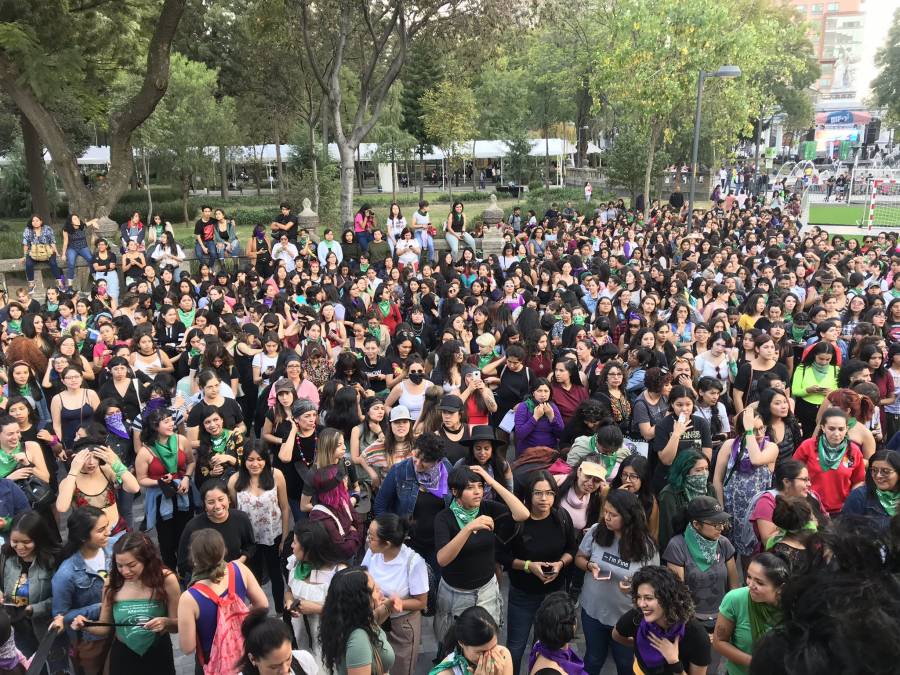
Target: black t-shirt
{"type": "Point", "coordinates": [474, 566]}
{"type": "Point", "coordinates": [203, 229]}
{"type": "Point", "coordinates": [696, 438]}
{"type": "Point", "coordinates": [129, 402]}
{"type": "Point", "coordinates": [305, 454]}
{"type": "Point", "coordinates": [421, 536]}
{"type": "Point", "coordinates": [291, 220]}
{"type": "Point", "coordinates": [380, 367]}
{"type": "Point", "coordinates": [230, 411]}
{"type": "Point", "coordinates": [104, 264]}
{"type": "Point", "coordinates": [454, 450]}
{"type": "Point", "coordinates": [747, 379]}
{"type": "Point", "coordinates": [540, 540]}
{"type": "Point", "coordinates": [236, 531]}
{"type": "Point", "coordinates": [693, 648]}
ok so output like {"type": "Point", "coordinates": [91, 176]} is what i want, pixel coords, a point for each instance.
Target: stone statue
{"type": "Point", "coordinates": [493, 214]}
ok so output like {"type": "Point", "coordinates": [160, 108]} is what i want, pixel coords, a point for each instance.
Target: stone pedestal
{"type": "Point", "coordinates": [308, 218]}
{"type": "Point", "coordinates": [493, 214]}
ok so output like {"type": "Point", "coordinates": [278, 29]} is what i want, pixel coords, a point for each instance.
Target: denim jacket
{"type": "Point", "coordinates": [39, 590]}
{"type": "Point", "coordinates": [400, 490]}
{"type": "Point", "coordinates": [78, 590]}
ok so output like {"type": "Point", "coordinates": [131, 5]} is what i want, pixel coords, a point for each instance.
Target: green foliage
{"type": "Point", "coordinates": [15, 192]}
{"type": "Point", "coordinates": [886, 86]}
{"type": "Point", "coordinates": [422, 72]}
{"type": "Point", "coordinates": [329, 191]}
{"type": "Point", "coordinates": [626, 161]}
{"type": "Point", "coordinates": [518, 164]}
{"type": "Point", "coordinates": [449, 114]}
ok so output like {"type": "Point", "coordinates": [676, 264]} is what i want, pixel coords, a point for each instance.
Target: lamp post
{"type": "Point", "coordinates": [723, 71]}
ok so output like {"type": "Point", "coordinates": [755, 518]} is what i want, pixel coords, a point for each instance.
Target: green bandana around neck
{"type": "Point", "coordinates": [797, 333]}
{"type": "Point", "coordinates": [302, 570]}
{"type": "Point", "coordinates": [219, 442]}
{"type": "Point", "coordinates": [889, 500]}
{"type": "Point", "coordinates": [457, 663]}
{"type": "Point", "coordinates": [608, 461]}
{"type": "Point", "coordinates": [781, 534]}
{"type": "Point", "coordinates": [763, 617]}
{"type": "Point", "coordinates": [8, 462]}
{"type": "Point", "coordinates": [696, 485]}
{"type": "Point", "coordinates": [168, 453]}
{"type": "Point", "coordinates": [463, 515]}
{"type": "Point", "coordinates": [187, 318]}
{"type": "Point", "coordinates": [384, 306]}
{"type": "Point", "coordinates": [703, 551]}
{"type": "Point", "coordinates": [830, 456]}
{"type": "Point", "coordinates": [484, 360]}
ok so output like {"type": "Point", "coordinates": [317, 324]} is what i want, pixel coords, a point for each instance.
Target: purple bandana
{"type": "Point", "coordinates": [566, 659]}
{"type": "Point", "coordinates": [648, 653]}
{"type": "Point", "coordinates": [434, 480]}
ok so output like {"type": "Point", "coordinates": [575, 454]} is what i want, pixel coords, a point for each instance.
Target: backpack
{"type": "Point", "coordinates": [228, 643]}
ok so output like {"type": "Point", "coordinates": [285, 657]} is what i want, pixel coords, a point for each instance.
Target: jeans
{"type": "Point", "coordinates": [266, 560]}
{"type": "Point", "coordinates": [208, 258]}
{"type": "Point", "coordinates": [29, 267]}
{"type": "Point", "coordinates": [451, 602]}
{"type": "Point", "coordinates": [426, 241]}
{"type": "Point", "coordinates": [453, 243]}
{"type": "Point", "coordinates": [520, 617]}
{"type": "Point", "coordinates": [364, 239]}
{"type": "Point", "coordinates": [72, 256]}
{"type": "Point", "coordinates": [598, 641]}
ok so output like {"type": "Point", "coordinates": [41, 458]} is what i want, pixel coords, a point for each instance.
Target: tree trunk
{"type": "Point", "coordinates": [223, 172]}
{"type": "Point", "coordinates": [259, 170]}
{"type": "Point", "coordinates": [546, 157]}
{"type": "Point", "coordinates": [315, 166]}
{"type": "Point", "coordinates": [348, 171]}
{"type": "Point", "coordinates": [278, 167]}
{"type": "Point", "coordinates": [474, 169]}
{"type": "Point", "coordinates": [421, 172]}
{"type": "Point", "coordinates": [185, 192]}
{"type": "Point", "coordinates": [393, 175]}
{"type": "Point", "coordinates": [147, 184]}
{"type": "Point", "coordinates": [34, 167]}
{"type": "Point", "coordinates": [655, 131]}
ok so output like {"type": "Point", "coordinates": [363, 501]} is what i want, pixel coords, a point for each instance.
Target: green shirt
{"type": "Point", "coordinates": [734, 607]}
{"type": "Point", "coordinates": [359, 653]}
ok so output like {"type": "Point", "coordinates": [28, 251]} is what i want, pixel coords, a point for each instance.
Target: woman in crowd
{"type": "Point", "coordinates": [536, 558]}
{"type": "Point", "coordinates": [879, 498]}
{"type": "Point", "coordinates": [764, 360]}
{"type": "Point", "coordinates": [814, 377]}
{"type": "Point", "coordinates": [835, 463]}
{"type": "Point", "coordinates": [268, 649]}
{"type": "Point", "coordinates": [634, 476]}
{"type": "Point", "coordinates": [566, 389]}
{"type": "Point", "coordinates": [229, 410]}
{"type": "Point", "coordinates": [484, 451]}
{"type": "Point", "coordinates": [538, 420]}
{"type": "Point", "coordinates": [465, 538]}
{"type": "Point", "coordinates": [220, 449]}
{"type": "Point", "coordinates": [650, 405]}
{"type": "Point", "coordinates": [258, 489]}
{"type": "Point", "coordinates": [472, 645]}
{"type": "Point", "coordinates": [682, 429]}
{"type": "Point", "coordinates": [351, 637]}
{"type": "Point", "coordinates": [401, 573]}
{"type": "Point", "coordinates": [410, 390]}
{"type": "Point", "coordinates": [796, 525]}
{"type": "Point", "coordinates": [747, 613]}
{"type": "Point", "coordinates": [621, 536]}
{"type": "Point", "coordinates": [213, 582]}
{"type": "Point", "coordinates": [554, 631]}
{"type": "Point", "coordinates": [141, 600]}
{"type": "Point", "coordinates": [72, 406]}
{"type": "Point", "coordinates": [782, 427]}
{"type": "Point", "coordinates": [662, 628]}
{"type": "Point", "coordinates": [610, 389]}
{"type": "Point", "coordinates": [688, 478]}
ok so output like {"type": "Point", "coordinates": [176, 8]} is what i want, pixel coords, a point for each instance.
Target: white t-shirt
{"type": "Point", "coordinates": [264, 361]}
{"type": "Point", "coordinates": [421, 220]}
{"type": "Point", "coordinates": [406, 575]}
{"type": "Point", "coordinates": [97, 564]}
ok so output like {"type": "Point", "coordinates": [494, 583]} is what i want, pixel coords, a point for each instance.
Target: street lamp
{"type": "Point", "coordinates": [723, 71]}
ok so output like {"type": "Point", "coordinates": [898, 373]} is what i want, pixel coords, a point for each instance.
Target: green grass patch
{"type": "Point", "coordinates": [836, 214]}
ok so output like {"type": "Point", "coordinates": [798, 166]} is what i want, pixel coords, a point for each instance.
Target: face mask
{"type": "Point", "coordinates": [416, 378]}
{"type": "Point", "coordinates": [101, 291]}
{"type": "Point", "coordinates": [578, 320]}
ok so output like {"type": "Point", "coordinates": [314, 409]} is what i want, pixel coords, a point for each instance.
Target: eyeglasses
{"type": "Point", "coordinates": [887, 473]}
{"type": "Point", "coordinates": [543, 493]}
{"type": "Point", "coordinates": [718, 526]}
{"type": "Point", "coordinates": [629, 477]}
{"type": "Point", "coordinates": [806, 480]}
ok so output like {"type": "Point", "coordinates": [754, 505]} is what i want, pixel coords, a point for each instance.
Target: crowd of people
{"type": "Point", "coordinates": [674, 446]}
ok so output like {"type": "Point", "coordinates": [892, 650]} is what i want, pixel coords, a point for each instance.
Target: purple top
{"type": "Point", "coordinates": [531, 433]}
{"type": "Point", "coordinates": [209, 613]}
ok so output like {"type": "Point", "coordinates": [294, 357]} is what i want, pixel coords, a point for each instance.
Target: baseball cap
{"type": "Point", "coordinates": [593, 469]}
{"type": "Point", "coordinates": [707, 509]}
{"type": "Point", "coordinates": [400, 412]}
{"type": "Point", "coordinates": [451, 403]}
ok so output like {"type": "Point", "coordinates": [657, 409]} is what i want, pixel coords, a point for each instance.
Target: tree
{"type": "Point", "coordinates": [886, 85]}
{"type": "Point", "coordinates": [187, 121]}
{"type": "Point", "coordinates": [372, 41]}
{"type": "Point", "coordinates": [422, 72]}
{"type": "Point", "coordinates": [518, 158]}
{"type": "Point", "coordinates": [625, 162]}
{"type": "Point", "coordinates": [449, 114]}
{"type": "Point", "coordinates": [53, 51]}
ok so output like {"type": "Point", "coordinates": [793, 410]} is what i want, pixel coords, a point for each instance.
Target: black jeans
{"type": "Point", "coordinates": [268, 558]}
{"type": "Point", "coordinates": [168, 534]}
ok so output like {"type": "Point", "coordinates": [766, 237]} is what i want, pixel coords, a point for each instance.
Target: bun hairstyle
{"type": "Point", "coordinates": [791, 513]}
{"type": "Point", "coordinates": [392, 528]}
{"type": "Point", "coordinates": [262, 635]}
{"type": "Point", "coordinates": [207, 554]}
{"type": "Point", "coordinates": [554, 622]}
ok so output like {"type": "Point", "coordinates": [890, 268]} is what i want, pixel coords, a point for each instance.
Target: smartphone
{"type": "Point", "coordinates": [476, 375]}
{"type": "Point", "coordinates": [604, 576]}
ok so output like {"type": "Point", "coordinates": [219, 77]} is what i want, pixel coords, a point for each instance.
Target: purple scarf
{"type": "Point", "coordinates": [434, 480]}
{"type": "Point", "coordinates": [648, 653]}
{"type": "Point", "coordinates": [737, 447]}
{"type": "Point", "coordinates": [566, 659]}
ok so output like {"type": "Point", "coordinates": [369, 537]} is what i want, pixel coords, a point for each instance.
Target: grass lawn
{"type": "Point", "coordinates": [836, 214]}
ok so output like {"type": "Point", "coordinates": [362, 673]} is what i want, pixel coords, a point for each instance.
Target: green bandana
{"type": "Point", "coordinates": [608, 461]}
{"type": "Point", "coordinates": [484, 360]}
{"type": "Point", "coordinates": [15, 326]}
{"type": "Point", "coordinates": [696, 485]}
{"type": "Point", "coordinates": [187, 318]}
{"type": "Point", "coordinates": [763, 617]}
{"type": "Point", "coordinates": [133, 614]}
{"type": "Point", "coordinates": [781, 534]}
{"type": "Point", "coordinates": [797, 333]}
{"type": "Point", "coordinates": [889, 499]}
{"type": "Point", "coordinates": [219, 442]}
{"type": "Point", "coordinates": [456, 663]}
{"type": "Point", "coordinates": [830, 456]}
{"type": "Point", "coordinates": [8, 462]}
{"type": "Point", "coordinates": [375, 332]}
{"type": "Point", "coordinates": [303, 570]}
{"type": "Point", "coordinates": [578, 320]}
{"type": "Point", "coordinates": [463, 515]}
{"type": "Point", "coordinates": [168, 453]}
{"type": "Point", "coordinates": [819, 372]}
{"type": "Point", "coordinates": [384, 307]}
{"type": "Point", "coordinates": [703, 551]}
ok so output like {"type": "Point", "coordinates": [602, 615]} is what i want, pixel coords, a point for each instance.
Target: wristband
{"type": "Point", "coordinates": [527, 563]}
{"type": "Point", "coordinates": [118, 469]}
{"type": "Point", "coordinates": [748, 433]}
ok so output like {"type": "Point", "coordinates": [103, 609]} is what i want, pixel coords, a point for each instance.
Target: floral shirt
{"type": "Point", "coordinates": [43, 236]}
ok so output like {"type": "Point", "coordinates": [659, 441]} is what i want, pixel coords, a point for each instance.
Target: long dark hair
{"type": "Point", "coordinates": [266, 478]}
{"type": "Point", "coordinates": [141, 547]}
{"type": "Point", "coordinates": [80, 523]}
{"type": "Point", "coordinates": [560, 515]}
{"type": "Point", "coordinates": [641, 467]}
{"type": "Point", "coordinates": [892, 458]}
{"type": "Point", "coordinates": [473, 628]}
{"type": "Point", "coordinates": [348, 607]}
{"type": "Point", "coordinates": [262, 635]}
{"type": "Point", "coordinates": [635, 543]}
{"type": "Point", "coordinates": [318, 548]}
{"type": "Point", "coordinates": [33, 526]}
{"type": "Point", "coordinates": [595, 501]}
